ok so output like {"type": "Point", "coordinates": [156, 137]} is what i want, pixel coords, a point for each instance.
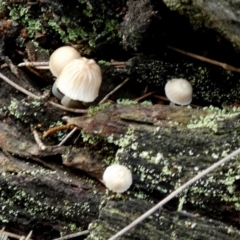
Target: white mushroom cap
{"type": "Point", "coordinates": [61, 57]}
{"type": "Point", "coordinates": [117, 178]}
{"type": "Point", "coordinates": [80, 80]}
{"type": "Point", "coordinates": [179, 91]}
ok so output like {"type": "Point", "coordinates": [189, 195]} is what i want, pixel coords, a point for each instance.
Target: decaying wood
{"type": "Point", "coordinates": [163, 224]}
{"type": "Point", "coordinates": [46, 201]}
{"type": "Point", "coordinates": [165, 147]}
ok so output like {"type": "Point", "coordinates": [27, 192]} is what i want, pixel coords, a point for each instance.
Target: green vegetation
{"type": "Point", "coordinates": [82, 21]}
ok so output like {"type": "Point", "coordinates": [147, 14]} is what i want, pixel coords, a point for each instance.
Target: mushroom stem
{"type": "Point", "coordinates": [56, 92]}
{"type": "Point", "coordinates": [68, 102]}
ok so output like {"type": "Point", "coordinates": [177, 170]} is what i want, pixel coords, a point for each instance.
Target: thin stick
{"type": "Point", "coordinates": [67, 137]}
{"type": "Point", "coordinates": [9, 234]}
{"type": "Point", "coordinates": [19, 88]}
{"type": "Point", "coordinates": [57, 128]}
{"type": "Point", "coordinates": [42, 67]}
{"type": "Point", "coordinates": [175, 193]}
{"type": "Point", "coordinates": [33, 64]}
{"type": "Point", "coordinates": [208, 60]}
{"type": "Point", "coordinates": [166, 99]}
{"type": "Point", "coordinates": [72, 235]}
{"type": "Point", "coordinates": [117, 63]}
{"type": "Point", "coordinates": [38, 140]}
{"type": "Point", "coordinates": [113, 91]}
{"type": "Point", "coordinates": [29, 235]}
{"type": "Point", "coordinates": [145, 96]}
{"type": "Point", "coordinates": [68, 109]}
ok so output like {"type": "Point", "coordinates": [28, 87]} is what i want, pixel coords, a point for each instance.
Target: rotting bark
{"type": "Point", "coordinates": [45, 201]}
{"type": "Point", "coordinates": [164, 147]}
{"type": "Point", "coordinates": [163, 224]}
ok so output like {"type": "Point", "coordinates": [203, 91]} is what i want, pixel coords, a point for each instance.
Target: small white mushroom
{"type": "Point", "coordinates": [80, 80]}
{"type": "Point", "coordinates": [179, 91]}
{"type": "Point", "coordinates": [117, 178]}
{"type": "Point", "coordinates": [61, 57]}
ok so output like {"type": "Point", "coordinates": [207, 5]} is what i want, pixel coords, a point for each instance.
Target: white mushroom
{"type": "Point", "coordinates": [68, 102]}
{"type": "Point", "coordinates": [179, 91]}
{"type": "Point", "coordinates": [61, 57]}
{"type": "Point", "coordinates": [117, 178]}
{"type": "Point", "coordinates": [80, 80]}
{"type": "Point", "coordinates": [56, 92]}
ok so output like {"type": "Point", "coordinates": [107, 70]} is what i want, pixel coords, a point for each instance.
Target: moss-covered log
{"type": "Point", "coordinates": [164, 147]}
{"type": "Point", "coordinates": [161, 225]}
{"type": "Point", "coordinates": [48, 201]}
{"type": "Point", "coordinates": [211, 84]}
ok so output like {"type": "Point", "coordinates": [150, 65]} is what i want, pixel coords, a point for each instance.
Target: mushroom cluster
{"type": "Point", "coordinates": [179, 91]}
{"type": "Point", "coordinates": [117, 178]}
{"type": "Point", "coordinates": [78, 78]}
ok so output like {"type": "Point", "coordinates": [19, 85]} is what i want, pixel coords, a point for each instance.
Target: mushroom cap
{"type": "Point", "coordinates": [179, 91]}
{"type": "Point", "coordinates": [80, 80]}
{"type": "Point", "coordinates": [61, 57]}
{"type": "Point", "coordinates": [117, 178]}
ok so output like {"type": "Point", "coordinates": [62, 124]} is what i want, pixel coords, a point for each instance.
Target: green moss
{"type": "Point", "coordinates": [93, 110]}
{"type": "Point", "coordinates": [126, 101]}
{"type": "Point", "coordinates": [11, 197]}
{"type": "Point", "coordinates": [211, 84]}
{"type": "Point", "coordinates": [213, 119]}
{"type": "Point", "coordinates": [84, 22]}
{"type": "Point", "coordinates": [20, 13]}
{"type": "Point", "coordinates": [26, 111]}
{"type": "Point", "coordinates": [104, 63]}
{"type": "Point", "coordinates": [70, 228]}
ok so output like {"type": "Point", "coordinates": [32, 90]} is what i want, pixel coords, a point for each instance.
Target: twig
{"type": "Point", "coordinates": [208, 60]}
{"type": "Point", "coordinates": [56, 129]}
{"type": "Point", "coordinates": [54, 148]}
{"type": "Point", "coordinates": [2, 235]}
{"type": "Point", "coordinates": [175, 193]}
{"type": "Point", "coordinates": [19, 88]}
{"type": "Point", "coordinates": [42, 67]}
{"type": "Point", "coordinates": [117, 63]}
{"type": "Point", "coordinates": [12, 235]}
{"type": "Point", "coordinates": [38, 140]}
{"type": "Point", "coordinates": [145, 96]}
{"type": "Point", "coordinates": [33, 64]}
{"type": "Point", "coordinates": [29, 235]}
{"type": "Point", "coordinates": [161, 97]}
{"type": "Point", "coordinates": [72, 235]}
{"type": "Point", "coordinates": [67, 137]}
{"type": "Point", "coordinates": [167, 100]}
{"type": "Point", "coordinates": [31, 69]}
{"type": "Point", "coordinates": [113, 91]}
{"type": "Point", "coordinates": [68, 109]}
{"type": "Point", "coordinates": [76, 139]}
